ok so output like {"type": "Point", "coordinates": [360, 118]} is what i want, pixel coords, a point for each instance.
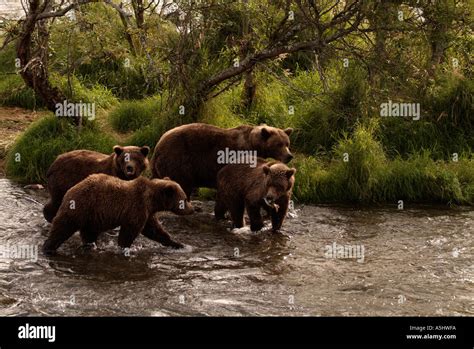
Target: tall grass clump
{"type": "Point", "coordinates": [132, 115]}
{"type": "Point", "coordinates": [33, 152]}
{"type": "Point", "coordinates": [352, 175]}
{"type": "Point", "coordinates": [452, 102]}
{"type": "Point", "coordinates": [269, 105]}
{"type": "Point", "coordinates": [222, 111]}
{"type": "Point", "coordinates": [369, 177]}
{"type": "Point", "coordinates": [363, 159]}
{"type": "Point", "coordinates": [445, 126]}
{"type": "Point", "coordinates": [123, 82]}
{"type": "Point", "coordinates": [164, 121]}
{"type": "Point", "coordinates": [322, 118]}
{"type": "Point", "coordinates": [315, 182]}
{"type": "Point", "coordinates": [14, 93]}
{"type": "Point", "coordinates": [76, 92]}
{"type": "Point", "coordinates": [419, 179]}
{"type": "Point", "coordinates": [464, 171]}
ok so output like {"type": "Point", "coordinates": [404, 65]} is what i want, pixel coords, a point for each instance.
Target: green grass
{"type": "Point", "coordinates": [76, 91]}
{"type": "Point", "coordinates": [132, 115]}
{"type": "Point", "coordinates": [34, 151]}
{"type": "Point", "coordinates": [150, 134]}
{"type": "Point", "coordinates": [14, 93]}
{"type": "Point", "coordinates": [388, 159]}
{"type": "Point", "coordinates": [368, 177]}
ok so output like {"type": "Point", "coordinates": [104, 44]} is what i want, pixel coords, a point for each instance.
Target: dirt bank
{"type": "Point", "coordinates": [13, 121]}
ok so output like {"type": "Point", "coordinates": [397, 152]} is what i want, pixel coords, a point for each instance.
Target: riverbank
{"type": "Point", "coordinates": [357, 171]}
{"type": "Point", "coordinates": [13, 121]}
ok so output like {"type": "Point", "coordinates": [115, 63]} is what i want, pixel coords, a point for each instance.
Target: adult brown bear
{"type": "Point", "coordinates": [102, 202]}
{"type": "Point", "coordinates": [188, 154]}
{"type": "Point", "coordinates": [70, 168]}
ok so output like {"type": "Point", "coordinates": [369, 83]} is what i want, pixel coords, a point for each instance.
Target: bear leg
{"type": "Point", "coordinates": [61, 230]}
{"type": "Point", "coordinates": [88, 236]}
{"type": "Point", "coordinates": [128, 233]}
{"type": "Point", "coordinates": [50, 209]}
{"type": "Point", "coordinates": [279, 217]}
{"type": "Point", "coordinates": [154, 231]}
{"type": "Point", "coordinates": [237, 214]}
{"type": "Point", "coordinates": [256, 220]}
{"type": "Point", "coordinates": [220, 208]}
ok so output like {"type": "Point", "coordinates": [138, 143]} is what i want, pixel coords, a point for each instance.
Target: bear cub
{"type": "Point", "coordinates": [70, 168]}
{"type": "Point", "coordinates": [266, 186]}
{"type": "Point", "coordinates": [102, 202]}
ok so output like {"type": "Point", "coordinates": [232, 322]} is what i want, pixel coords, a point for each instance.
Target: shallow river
{"type": "Point", "coordinates": [417, 261]}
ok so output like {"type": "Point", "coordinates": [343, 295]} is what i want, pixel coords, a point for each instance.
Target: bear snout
{"type": "Point", "coordinates": [269, 200]}
{"type": "Point", "coordinates": [288, 158]}
{"type": "Point", "coordinates": [130, 171]}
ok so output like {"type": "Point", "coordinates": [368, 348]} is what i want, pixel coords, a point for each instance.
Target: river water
{"type": "Point", "coordinates": [417, 261]}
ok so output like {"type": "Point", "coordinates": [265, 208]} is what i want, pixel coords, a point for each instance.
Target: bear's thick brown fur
{"type": "Point", "coordinates": [70, 168]}
{"type": "Point", "coordinates": [102, 202]}
{"type": "Point", "coordinates": [266, 186]}
{"type": "Point", "coordinates": [188, 154]}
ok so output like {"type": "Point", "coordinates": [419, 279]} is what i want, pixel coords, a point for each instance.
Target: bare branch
{"type": "Point", "coordinates": [63, 11]}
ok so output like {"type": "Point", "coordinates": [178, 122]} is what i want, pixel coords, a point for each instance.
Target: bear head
{"type": "Point", "coordinates": [171, 197]}
{"type": "Point", "coordinates": [279, 180]}
{"type": "Point", "coordinates": [272, 142]}
{"type": "Point", "coordinates": [130, 161]}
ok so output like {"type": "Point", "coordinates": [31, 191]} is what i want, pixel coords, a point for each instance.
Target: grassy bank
{"type": "Point", "coordinates": [34, 151]}
{"type": "Point", "coordinates": [345, 151]}
{"type": "Point", "coordinates": [357, 170]}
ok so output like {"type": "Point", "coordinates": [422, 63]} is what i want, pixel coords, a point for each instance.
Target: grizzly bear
{"type": "Point", "coordinates": [70, 168]}
{"type": "Point", "coordinates": [102, 202]}
{"type": "Point", "coordinates": [189, 154]}
{"type": "Point", "coordinates": [266, 186]}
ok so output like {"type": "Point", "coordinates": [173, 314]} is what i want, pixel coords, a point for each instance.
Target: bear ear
{"type": "Point", "coordinates": [145, 150]}
{"type": "Point", "coordinates": [288, 131]}
{"type": "Point", "coordinates": [167, 178]}
{"type": "Point", "coordinates": [265, 133]}
{"type": "Point", "coordinates": [118, 149]}
{"type": "Point", "coordinates": [290, 172]}
{"type": "Point", "coordinates": [266, 169]}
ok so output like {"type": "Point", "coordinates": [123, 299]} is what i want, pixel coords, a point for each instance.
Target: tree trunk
{"type": "Point", "coordinates": [34, 58]}
{"type": "Point", "coordinates": [250, 88]}
{"type": "Point", "coordinates": [250, 85]}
